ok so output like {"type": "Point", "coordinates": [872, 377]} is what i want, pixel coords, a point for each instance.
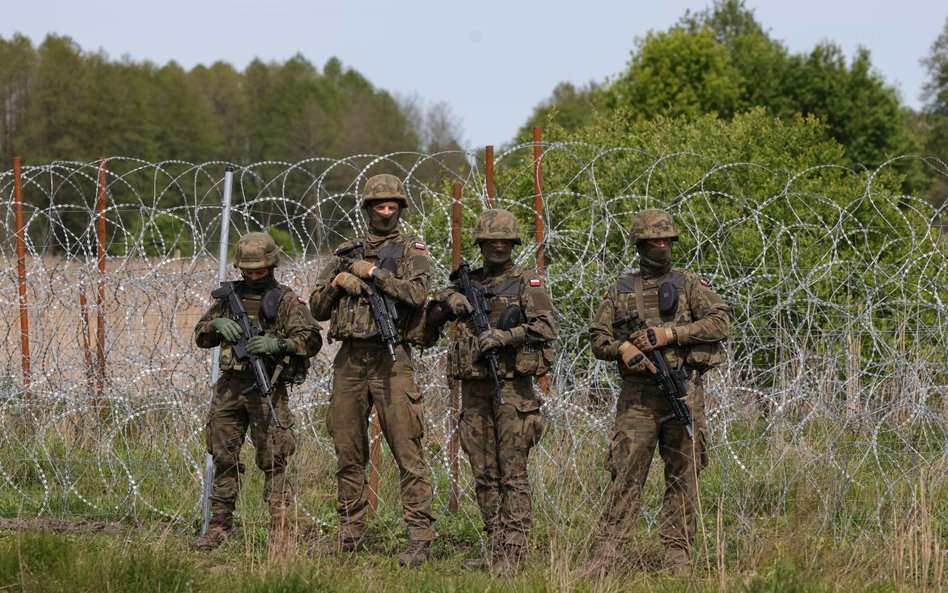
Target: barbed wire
{"type": "Point", "coordinates": [834, 390]}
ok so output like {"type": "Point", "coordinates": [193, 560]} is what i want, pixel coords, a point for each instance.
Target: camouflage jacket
{"type": "Point", "coordinates": [532, 353]}
{"type": "Point", "coordinates": [293, 323]}
{"type": "Point", "coordinates": [701, 319]}
{"type": "Point", "coordinates": [350, 316]}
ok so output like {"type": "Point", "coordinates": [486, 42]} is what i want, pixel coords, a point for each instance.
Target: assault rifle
{"type": "Point", "coordinates": [672, 383]}
{"type": "Point", "coordinates": [381, 305]}
{"type": "Point", "coordinates": [248, 330]}
{"type": "Point", "coordinates": [478, 295]}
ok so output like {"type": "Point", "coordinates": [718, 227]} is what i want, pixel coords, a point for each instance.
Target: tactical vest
{"type": "Point", "coordinates": [526, 360]}
{"type": "Point", "coordinates": [351, 318]}
{"type": "Point", "coordinates": [634, 293]}
{"type": "Point", "coordinates": [294, 368]}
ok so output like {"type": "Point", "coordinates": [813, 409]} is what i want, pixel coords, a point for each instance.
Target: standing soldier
{"type": "Point", "coordinates": [686, 321]}
{"type": "Point", "coordinates": [368, 371]}
{"type": "Point", "coordinates": [498, 430]}
{"type": "Point", "coordinates": [290, 337]}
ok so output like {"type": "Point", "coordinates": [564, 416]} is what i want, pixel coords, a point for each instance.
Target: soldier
{"type": "Point", "coordinates": [497, 433]}
{"type": "Point", "coordinates": [364, 372]}
{"type": "Point", "coordinates": [687, 321]}
{"type": "Point", "coordinates": [290, 337]}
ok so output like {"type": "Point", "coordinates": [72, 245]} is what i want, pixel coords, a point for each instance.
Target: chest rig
{"type": "Point", "coordinates": [351, 318]}
{"type": "Point", "coordinates": [504, 294]}
{"type": "Point", "coordinates": [659, 302]}
{"type": "Point", "coordinates": [229, 361]}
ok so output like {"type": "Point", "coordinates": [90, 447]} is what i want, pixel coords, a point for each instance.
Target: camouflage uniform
{"type": "Point", "coordinates": [237, 404]}
{"type": "Point", "coordinates": [700, 321]}
{"type": "Point", "coordinates": [364, 374]}
{"type": "Point", "coordinates": [497, 438]}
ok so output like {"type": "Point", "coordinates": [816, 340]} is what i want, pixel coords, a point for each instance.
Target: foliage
{"type": "Point", "coordinates": [722, 61]}
{"type": "Point", "coordinates": [933, 122]}
{"type": "Point", "coordinates": [58, 102]}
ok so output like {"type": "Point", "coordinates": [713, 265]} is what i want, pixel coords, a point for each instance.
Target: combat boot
{"type": "Point", "coordinates": [219, 529]}
{"type": "Point", "coordinates": [507, 561]}
{"type": "Point", "coordinates": [605, 561]}
{"type": "Point", "coordinates": [482, 562]}
{"type": "Point", "coordinates": [340, 545]}
{"type": "Point", "coordinates": [282, 531]}
{"type": "Point", "coordinates": [416, 554]}
{"type": "Point", "coordinates": [677, 561]}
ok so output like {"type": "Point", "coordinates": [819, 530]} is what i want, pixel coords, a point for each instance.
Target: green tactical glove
{"type": "Point", "coordinates": [459, 305]}
{"type": "Point", "coordinates": [263, 345]}
{"type": "Point", "coordinates": [493, 338]}
{"type": "Point", "coordinates": [227, 328]}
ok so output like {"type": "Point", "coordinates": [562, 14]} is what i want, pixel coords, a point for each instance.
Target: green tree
{"type": "Point", "coordinates": [934, 117]}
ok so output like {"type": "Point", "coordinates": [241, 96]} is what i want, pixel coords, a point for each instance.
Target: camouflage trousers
{"type": "Point", "coordinates": [497, 441]}
{"type": "Point", "coordinates": [638, 429]}
{"type": "Point", "coordinates": [232, 413]}
{"type": "Point", "coordinates": [364, 376]}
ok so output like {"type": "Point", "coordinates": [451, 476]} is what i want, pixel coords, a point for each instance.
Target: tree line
{"type": "Point", "coordinates": [721, 62]}
{"type": "Point", "coordinates": [58, 102]}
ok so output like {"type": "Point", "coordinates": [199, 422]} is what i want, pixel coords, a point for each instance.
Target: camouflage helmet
{"type": "Point", "coordinates": [383, 188]}
{"type": "Point", "coordinates": [256, 251]}
{"type": "Point", "coordinates": [652, 223]}
{"type": "Point", "coordinates": [497, 224]}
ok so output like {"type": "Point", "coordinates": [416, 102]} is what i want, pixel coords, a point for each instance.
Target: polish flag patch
{"type": "Point", "coordinates": [703, 281]}
{"type": "Point", "coordinates": [418, 245]}
{"type": "Point", "coordinates": [535, 282]}
{"type": "Point", "coordinates": [302, 302]}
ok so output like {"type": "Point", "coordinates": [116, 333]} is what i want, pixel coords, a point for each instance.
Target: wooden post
{"type": "Point", "coordinates": [100, 293]}
{"type": "Point", "coordinates": [21, 278]}
{"type": "Point", "coordinates": [454, 444]}
{"type": "Point", "coordinates": [538, 207]}
{"type": "Point", "coordinates": [489, 159]}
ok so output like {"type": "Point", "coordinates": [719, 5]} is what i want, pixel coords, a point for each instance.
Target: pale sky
{"type": "Point", "coordinates": [492, 61]}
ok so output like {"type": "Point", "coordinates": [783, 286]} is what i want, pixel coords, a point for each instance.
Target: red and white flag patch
{"type": "Point", "coordinates": [419, 245]}
{"type": "Point", "coordinates": [703, 281]}
{"type": "Point", "coordinates": [535, 282]}
{"type": "Point", "coordinates": [300, 299]}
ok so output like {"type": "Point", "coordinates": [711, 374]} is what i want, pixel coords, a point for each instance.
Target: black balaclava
{"type": "Point", "coordinates": [653, 260]}
{"type": "Point", "coordinates": [262, 285]}
{"type": "Point", "coordinates": [383, 226]}
{"type": "Point", "coordinates": [496, 259]}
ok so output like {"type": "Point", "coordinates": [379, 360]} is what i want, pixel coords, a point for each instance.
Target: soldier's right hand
{"type": "Point", "coordinates": [348, 283]}
{"type": "Point", "coordinates": [227, 328]}
{"type": "Point", "coordinates": [634, 359]}
{"type": "Point", "coordinates": [458, 304]}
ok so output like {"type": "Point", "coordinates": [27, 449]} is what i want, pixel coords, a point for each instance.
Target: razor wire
{"type": "Point", "coordinates": [834, 387]}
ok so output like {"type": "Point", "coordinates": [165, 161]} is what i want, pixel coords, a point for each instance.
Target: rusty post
{"type": "Point", "coordinates": [21, 277]}
{"type": "Point", "coordinates": [84, 330]}
{"type": "Point", "coordinates": [375, 459]}
{"type": "Point", "coordinates": [538, 194]}
{"type": "Point", "coordinates": [100, 293]}
{"type": "Point", "coordinates": [489, 160]}
{"type": "Point", "coordinates": [538, 207]}
{"type": "Point", "coordinates": [454, 444]}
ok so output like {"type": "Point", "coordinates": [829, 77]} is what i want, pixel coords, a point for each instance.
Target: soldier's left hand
{"type": "Point", "coordinates": [263, 345]}
{"type": "Point", "coordinates": [652, 338]}
{"type": "Point", "coordinates": [493, 338]}
{"type": "Point", "coordinates": [362, 268]}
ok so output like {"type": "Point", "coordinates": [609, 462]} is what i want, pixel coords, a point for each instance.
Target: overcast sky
{"type": "Point", "coordinates": [492, 61]}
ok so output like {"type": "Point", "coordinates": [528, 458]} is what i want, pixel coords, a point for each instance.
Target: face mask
{"type": "Point", "coordinates": [383, 225]}
{"type": "Point", "coordinates": [496, 254]}
{"type": "Point", "coordinates": [260, 285]}
{"type": "Point", "coordinates": [654, 260]}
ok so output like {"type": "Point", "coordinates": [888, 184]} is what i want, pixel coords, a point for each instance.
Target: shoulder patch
{"type": "Point", "coordinates": [704, 282]}
{"type": "Point", "coordinates": [302, 301]}
{"type": "Point", "coordinates": [535, 282]}
{"type": "Point", "coordinates": [419, 245]}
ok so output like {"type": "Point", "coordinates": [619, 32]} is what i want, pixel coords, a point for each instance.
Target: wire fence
{"type": "Point", "coordinates": [833, 395]}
